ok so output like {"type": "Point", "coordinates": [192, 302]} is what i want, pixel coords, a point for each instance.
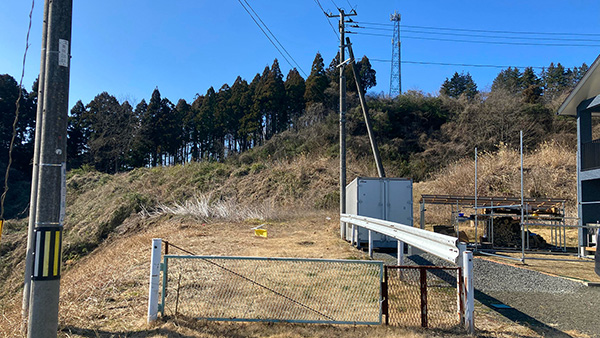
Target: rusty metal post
{"type": "Point", "coordinates": [385, 310]}
{"type": "Point", "coordinates": [423, 283]}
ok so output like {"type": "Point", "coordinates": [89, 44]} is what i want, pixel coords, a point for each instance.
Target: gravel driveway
{"type": "Point", "coordinates": [549, 305]}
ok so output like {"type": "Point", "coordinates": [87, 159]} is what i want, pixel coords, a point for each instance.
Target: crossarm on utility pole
{"type": "Point", "coordinates": [363, 104]}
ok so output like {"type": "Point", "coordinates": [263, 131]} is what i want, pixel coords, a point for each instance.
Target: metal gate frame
{"type": "Point", "coordinates": [164, 268]}
{"type": "Point", "coordinates": [423, 290]}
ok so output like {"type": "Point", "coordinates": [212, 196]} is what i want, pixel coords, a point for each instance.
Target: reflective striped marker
{"type": "Point", "coordinates": [47, 257]}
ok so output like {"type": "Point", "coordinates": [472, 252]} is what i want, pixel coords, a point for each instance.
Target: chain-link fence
{"type": "Point", "coordinates": [273, 289]}
{"type": "Point", "coordinates": [425, 296]}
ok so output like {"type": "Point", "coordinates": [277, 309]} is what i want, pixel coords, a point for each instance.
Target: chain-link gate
{"type": "Point", "coordinates": [273, 289]}
{"type": "Point", "coordinates": [427, 296]}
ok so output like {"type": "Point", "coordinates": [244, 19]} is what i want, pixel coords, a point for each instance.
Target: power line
{"type": "Point", "coordinates": [351, 7]}
{"type": "Point", "coordinates": [477, 35]}
{"type": "Point", "coordinates": [484, 42]}
{"type": "Point", "coordinates": [327, 18]}
{"type": "Point", "coordinates": [457, 64]}
{"type": "Point", "coordinates": [259, 26]}
{"type": "Point", "coordinates": [482, 30]}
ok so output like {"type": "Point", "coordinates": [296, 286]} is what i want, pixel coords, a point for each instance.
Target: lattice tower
{"type": "Point", "coordinates": [395, 74]}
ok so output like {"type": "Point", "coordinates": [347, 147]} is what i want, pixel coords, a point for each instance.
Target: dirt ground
{"type": "Point", "coordinates": [105, 293]}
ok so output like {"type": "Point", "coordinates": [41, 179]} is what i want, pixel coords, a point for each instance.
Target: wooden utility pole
{"type": "Point", "coordinates": [51, 187]}
{"type": "Point", "coordinates": [342, 67]}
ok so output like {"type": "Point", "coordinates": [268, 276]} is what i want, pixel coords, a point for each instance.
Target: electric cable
{"type": "Point", "coordinates": [482, 30]}
{"type": "Point", "coordinates": [483, 42]}
{"type": "Point", "coordinates": [327, 18]}
{"type": "Point", "coordinates": [457, 64]}
{"type": "Point", "coordinates": [477, 35]}
{"type": "Point", "coordinates": [280, 44]}
{"type": "Point", "coordinates": [265, 33]}
{"type": "Point", "coordinates": [16, 120]}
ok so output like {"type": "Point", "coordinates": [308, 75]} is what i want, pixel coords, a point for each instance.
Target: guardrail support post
{"type": "Point", "coordinates": [154, 279]}
{"type": "Point", "coordinates": [400, 253]}
{"type": "Point", "coordinates": [370, 243]}
{"type": "Point", "coordinates": [469, 291]}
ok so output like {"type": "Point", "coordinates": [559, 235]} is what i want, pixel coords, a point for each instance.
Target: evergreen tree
{"type": "Point", "coordinates": [77, 137]}
{"type": "Point", "coordinates": [184, 112]}
{"type": "Point", "coordinates": [509, 80]}
{"type": "Point", "coordinates": [239, 102]}
{"type": "Point", "coordinates": [366, 75]}
{"type": "Point", "coordinates": [458, 85]}
{"type": "Point", "coordinates": [250, 125]}
{"type": "Point", "coordinates": [194, 123]}
{"type": "Point", "coordinates": [555, 80]}
{"type": "Point", "coordinates": [294, 92]}
{"type": "Point", "coordinates": [110, 133]}
{"type": "Point", "coordinates": [140, 149]}
{"type": "Point", "coordinates": [316, 82]}
{"type": "Point", "coordinates": [271, 97]}
{"type": "Point", "coordinates": [222, 114]}
{"type": "Point", "coordinates": [150, 127]}
{"type": "Point", "coordinates": [205, 121]}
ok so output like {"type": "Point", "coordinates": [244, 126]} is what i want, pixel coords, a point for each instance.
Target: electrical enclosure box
{"type": "Point", "coordinates": [389, 199]}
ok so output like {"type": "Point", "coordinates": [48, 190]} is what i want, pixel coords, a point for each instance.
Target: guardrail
{"type": "Point", "coordinates": [443, 246]}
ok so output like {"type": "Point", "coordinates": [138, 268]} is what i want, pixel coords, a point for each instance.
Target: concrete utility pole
{"type": "Point", "coordinates": [51, 189]}
{"type": "Point", "coordinates": [34, 178]}
{"type": "Point", "coordinates": [365, 109]}
{"type": "Point", "coordinates": [342, 67]}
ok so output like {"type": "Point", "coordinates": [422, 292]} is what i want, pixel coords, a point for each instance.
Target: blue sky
{"type": "Point", "coordinates": [128, 48]}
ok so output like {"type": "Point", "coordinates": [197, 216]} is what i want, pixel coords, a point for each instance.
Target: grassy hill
{"type": "Point", "coordinates": [112, 218]}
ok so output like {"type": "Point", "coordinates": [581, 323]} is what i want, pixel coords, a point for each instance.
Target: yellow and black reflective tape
{"type": "Point", "coordinates": [47, 254]}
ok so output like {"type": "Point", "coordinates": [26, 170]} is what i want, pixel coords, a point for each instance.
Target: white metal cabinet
{"type": "Point", "coordinates": [389, 199]}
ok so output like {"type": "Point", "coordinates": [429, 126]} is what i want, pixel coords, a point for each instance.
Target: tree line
{"type": "Point", "coordinates": [414, 129]}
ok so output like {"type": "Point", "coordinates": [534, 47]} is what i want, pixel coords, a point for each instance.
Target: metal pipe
{"type": "Point", "coordinates": [476, 220]}
{"type": "Point", "coordinates": [522, 203]}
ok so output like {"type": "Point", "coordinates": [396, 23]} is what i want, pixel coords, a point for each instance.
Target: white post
{"type": "Point", "coordinates": [154, 279]}
{"type": "Point", "coordinates": [469, 291]}
{"type": "Point", "coordinates": [400, 253]}
{"type": "Point", "coordinates": [370, 243]}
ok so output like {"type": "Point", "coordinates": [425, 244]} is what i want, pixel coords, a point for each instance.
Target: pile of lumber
{"type": "Point", "coordinates": [507, 233]}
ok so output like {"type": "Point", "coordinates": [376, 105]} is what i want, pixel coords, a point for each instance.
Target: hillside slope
{"type": "Point", "coordinates": [111, 219]}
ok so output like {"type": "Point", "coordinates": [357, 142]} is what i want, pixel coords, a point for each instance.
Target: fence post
{"type": "Point", "coordinates": [154, 280]}
{"type": "Point", "coordinates": [469, 291]}
{"type": "Point", "coordinates": [423, 284]}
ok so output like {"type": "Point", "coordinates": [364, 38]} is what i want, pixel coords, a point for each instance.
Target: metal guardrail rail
{"type": "Point", "coordinates": [442, 246]}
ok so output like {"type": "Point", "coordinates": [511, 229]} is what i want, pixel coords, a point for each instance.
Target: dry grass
{"type": "Point", "coordinates": [105, 293]}
{"type": "Point", "coordinates": [549, 171]}
{"type": "Point", "coordinates": [104, 286]}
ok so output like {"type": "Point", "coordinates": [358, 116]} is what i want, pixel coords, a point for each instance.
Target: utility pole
{"type": "Point", "coordinates": [342, 67]}
{"type": "Point", "coordinates": [34, 178]}
{"type": "Point", "coordinates": [396, 73]}
{"type": "Point", "coordinates": [51, 187]}
{"type": "Point", "coordinates": [365, 109]}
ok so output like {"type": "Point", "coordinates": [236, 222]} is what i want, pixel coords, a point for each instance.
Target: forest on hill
{"type": "Point", "coordinates": [276, 117]}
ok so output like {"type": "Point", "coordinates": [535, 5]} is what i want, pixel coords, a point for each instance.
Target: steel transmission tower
{"type": "Point", "coordinates": [396, 74]}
